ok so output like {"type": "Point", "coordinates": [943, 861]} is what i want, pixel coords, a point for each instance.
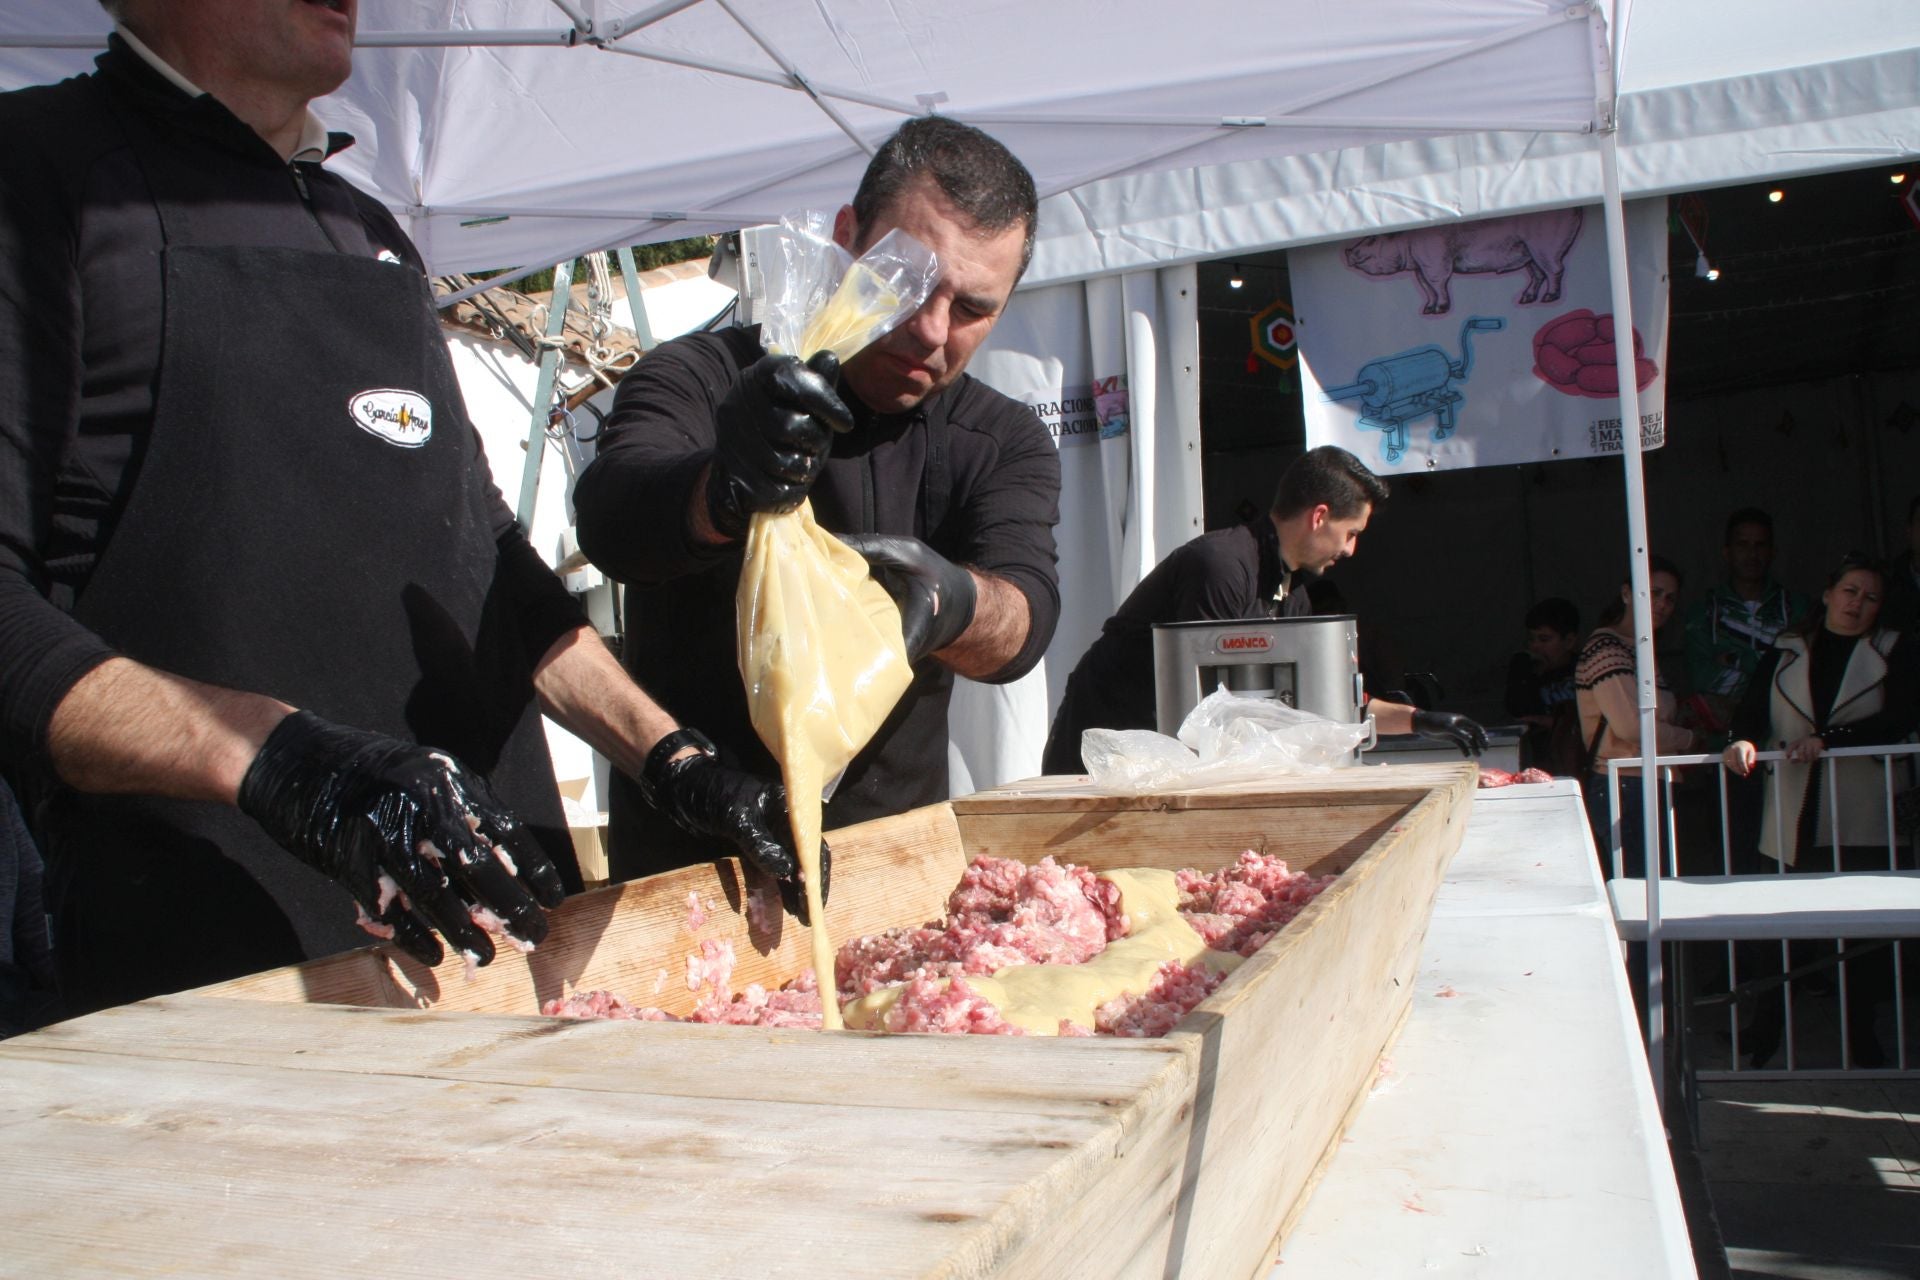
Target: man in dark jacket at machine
{"type": "Point", "coordinates": [1255, 570]}
{"type": "Point", "coordinates": [948, 488]}
{"type": "Point", "coordinates": [271, 645]}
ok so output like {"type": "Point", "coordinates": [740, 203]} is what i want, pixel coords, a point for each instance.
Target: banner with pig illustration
{"type": "Point", "coordinates": [1482, 343]}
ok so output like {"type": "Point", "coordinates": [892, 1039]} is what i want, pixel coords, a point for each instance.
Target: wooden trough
{"type": "Point", "coordinates": [365, 1113]}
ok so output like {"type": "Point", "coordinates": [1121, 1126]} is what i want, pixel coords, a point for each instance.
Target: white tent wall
{"type": "Point", "coordinates": [1127, 496]}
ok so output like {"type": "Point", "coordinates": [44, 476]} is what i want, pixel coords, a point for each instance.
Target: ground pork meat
{"type": "Point", "coordinates": [797, 1004]}
{"type": "Point", "coordinates": [1176, 989]}
{"type": "Point", "coordinates": [1240, 908]}
{"type": "Point", "coordinates": [1491, 777]}
{"type": "Point", "coordinates": [599, 1004]}
{"type": "Point", "coordinates": [1004, 913]}
{"type": "Point", "coordinates": [950, 1009]}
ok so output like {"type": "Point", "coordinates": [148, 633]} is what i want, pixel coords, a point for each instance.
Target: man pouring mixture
{"type": "Point", "coordinates": [272, 649]}
{"type": "Point", "coordinates": [1255, 570]}
{"type": "Point", "coordinates": [949, 489]}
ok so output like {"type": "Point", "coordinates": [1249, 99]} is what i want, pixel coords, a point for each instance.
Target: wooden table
{"type": "Point", "coordinates": [237, 1132]}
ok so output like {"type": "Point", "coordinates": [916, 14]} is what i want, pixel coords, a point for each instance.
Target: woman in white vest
{"type": "Point", "coordinates": [1836, 680]}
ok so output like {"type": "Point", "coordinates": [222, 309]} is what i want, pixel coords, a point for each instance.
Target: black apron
{"type": "Point", "coordinates": [309, 523]}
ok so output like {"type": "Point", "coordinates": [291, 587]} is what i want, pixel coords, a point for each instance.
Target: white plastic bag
{"type": "Point", "coordinates": [1226, 740]}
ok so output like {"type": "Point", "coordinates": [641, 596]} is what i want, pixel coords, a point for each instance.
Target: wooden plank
{"type": "Point", "coordinates": [973, 1073]}
{"type": "Point", "coordinates": [1295, 1034]}
{"type": "Point", "coordinates": [1320, 839]}
{"type": "Point", "coordinates": [1398, 783]}
{"type": "Point", "coordinates": [633, 939]}
{"type": "Point", "coordinates": [744, 1150]}
{"type": "Point", "coordinates": [171, 1167]}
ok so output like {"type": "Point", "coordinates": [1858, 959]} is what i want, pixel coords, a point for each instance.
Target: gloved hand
{"type": "Point", "coordinates": [708, 799]}
{"type": "Point", "coordinates": [935, 595]}
{"type": "Point", "coordinates": [1457, 729]}
{"type": "Point", "coordinates": [771, 438]}
{"type": "Point", "coordinates": [416, 838]}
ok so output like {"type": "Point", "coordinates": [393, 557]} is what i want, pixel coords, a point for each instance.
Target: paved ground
{"type": "Point", "coordinates": [1815, 1180]}
{"type": "Point", "coordinates": [1807, 1179]}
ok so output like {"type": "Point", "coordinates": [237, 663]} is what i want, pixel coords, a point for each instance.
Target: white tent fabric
{"type": "Point", "coordinates": [1127, 496]}
{"type": "Point", "coordinates": [704, 115]}
{"type": "Point", "coordinates": [1713, 97]}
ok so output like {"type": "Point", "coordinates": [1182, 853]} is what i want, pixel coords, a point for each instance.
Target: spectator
{"type": "Point", "coordinates": [1900, 610]}
{"type": "Point", "coordinates": [1540, 689]}
{"type": "Point", "coordinates": [1605, 692]}
{"type": "Point", "coordinates": [1839, 679]}
{"type": "Point", "coordinates": [1730, 630]}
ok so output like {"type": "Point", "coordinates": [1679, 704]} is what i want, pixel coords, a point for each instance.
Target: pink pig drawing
{"type": "Point", "coordinates": [1537, 243]}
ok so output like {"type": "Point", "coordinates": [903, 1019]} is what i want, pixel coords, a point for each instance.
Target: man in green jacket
{"type": "Point", "coordinates": [1730, 630]}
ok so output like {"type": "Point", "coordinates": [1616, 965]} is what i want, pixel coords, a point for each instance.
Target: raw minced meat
{"type": "Point", "coordinates": [1240, 908]}
{"type": "Point", "coordinates": [1176, 989]}
{"type": "Point", "coordinates": [1003, 913]}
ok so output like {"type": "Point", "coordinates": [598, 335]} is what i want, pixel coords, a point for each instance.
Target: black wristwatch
{"type": "Point", "coordinates": [654, 771]}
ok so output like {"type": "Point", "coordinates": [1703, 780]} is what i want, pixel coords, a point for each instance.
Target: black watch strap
{"type": "Point", "coordinates": [654, 770]}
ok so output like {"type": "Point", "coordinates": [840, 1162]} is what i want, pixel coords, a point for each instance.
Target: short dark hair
{"type": "Point", "coordinates": [986, 182]}
{"type": "Point", "coordinates": [1331, 475]}
{"type": "Point", "coordinates": [1556, 612]}
{"type": "Point", "coordinates": [1746, 515]}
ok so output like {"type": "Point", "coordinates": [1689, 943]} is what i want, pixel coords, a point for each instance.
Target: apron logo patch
{"type": "Point", "coordinates": [399, 417]}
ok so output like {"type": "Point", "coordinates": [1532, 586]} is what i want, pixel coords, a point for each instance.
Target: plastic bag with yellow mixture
{"type": "Point", "coordinates": [819, 641]}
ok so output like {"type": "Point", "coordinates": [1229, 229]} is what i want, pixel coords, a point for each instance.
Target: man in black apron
{"type": "Point", "coordinates": [236, 480]}
{"type": "Point", "coordinates": [950, 489]}
{"type": "Point", "coordinates": [1255, 570]}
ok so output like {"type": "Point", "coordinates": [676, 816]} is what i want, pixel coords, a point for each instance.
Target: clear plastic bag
{"type": "Point", "coordinates": [821, 299]}
{"type": "Point", "coordinates": [819, 641]}
{"type": "Point", "coordinates": [1226, 740]}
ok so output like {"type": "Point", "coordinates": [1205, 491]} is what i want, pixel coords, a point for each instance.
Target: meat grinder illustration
{"type": "Point", "coordinates": [1395, 390]}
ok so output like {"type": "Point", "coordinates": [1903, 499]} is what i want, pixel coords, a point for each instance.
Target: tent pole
{"type": "Point", "coordinates": [1642, 597]}
{"type": "Point", "coordinates": [557, 304]}
{"type": "Point", "coordinates": [642, 331]}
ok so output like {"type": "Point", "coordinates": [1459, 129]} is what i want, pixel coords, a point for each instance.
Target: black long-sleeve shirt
{"type": "Point", "coordinates": [80, 337]}
{"type": "Point", "coordinates": [969, 471]}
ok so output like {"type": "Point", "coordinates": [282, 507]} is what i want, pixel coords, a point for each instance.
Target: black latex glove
{"type": "Point", "coordinates": [935, 595]}
{"type": "Point", "coordinates": [771, 435]}
{"type": "Point", "coordinates": [1459, 730]}
{"type": "Point", "coordinates": [710, 800]}
{"type": "Point", "coordinates": [379, 814]}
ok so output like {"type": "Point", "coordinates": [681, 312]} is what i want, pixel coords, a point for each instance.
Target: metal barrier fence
{"type": "Point", "coordinates": [1897, 774]}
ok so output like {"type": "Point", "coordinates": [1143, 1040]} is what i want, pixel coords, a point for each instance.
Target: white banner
{"type": "Point", "coordinates": [1110, 365]}
{"type": "Point", "coordinates": [1481, 343]}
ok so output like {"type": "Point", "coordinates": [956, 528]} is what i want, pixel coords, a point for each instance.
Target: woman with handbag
{"type": "Point", "coordinates": [1605, 682]}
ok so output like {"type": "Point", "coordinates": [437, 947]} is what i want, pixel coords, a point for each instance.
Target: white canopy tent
{"type": "Point", "coordinates": [585, 125]}
{"type": "Point", "coordinates": [529, 131]}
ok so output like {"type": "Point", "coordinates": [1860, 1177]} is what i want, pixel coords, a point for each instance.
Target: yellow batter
{"type": "Point", "coordinates": [823, 660]}
{"type": "Point", "coordinates": [1037, 997]}
{"type": "Point", "coordinates": [863, 302]}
